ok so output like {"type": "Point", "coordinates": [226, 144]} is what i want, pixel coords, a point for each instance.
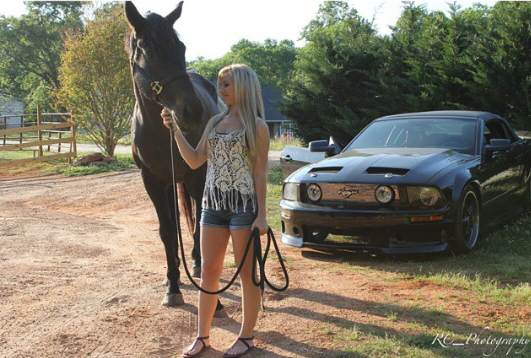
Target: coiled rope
{"type": "Point", "coordinates": [254, 238]}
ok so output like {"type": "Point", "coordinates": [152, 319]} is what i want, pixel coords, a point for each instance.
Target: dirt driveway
{"type": "Point", "coordinates": [81, 267]}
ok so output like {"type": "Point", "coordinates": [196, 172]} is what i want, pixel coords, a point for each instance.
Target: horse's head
{"type": "Point", "coordinates": [159, 66]}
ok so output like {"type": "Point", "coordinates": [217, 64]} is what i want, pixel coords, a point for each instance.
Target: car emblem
{"type": "Point", "coordinates": [346, 193]}
{"type": "Point", "coordinates": [313, 175]}
{"type": "Point", "coordinates": [388, 175]}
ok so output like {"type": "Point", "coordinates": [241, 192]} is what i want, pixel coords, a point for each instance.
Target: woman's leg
{"type": "Point", "coordinates": [213, 246]}
{"type": "Point", "coordinates": [250, 292]}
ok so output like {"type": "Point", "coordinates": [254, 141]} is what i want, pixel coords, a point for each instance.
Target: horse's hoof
{"type": "Point", "coordinates": [196, 272]}
{"type": "Point", "coordinates": [173, 299]}
{"type": "Point", "coordinates": [221, 313]}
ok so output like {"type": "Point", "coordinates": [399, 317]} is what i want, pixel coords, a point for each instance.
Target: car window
{"type": "Point", "coordinates": [496, 129]}
{"type": "Point", "coordinates": [459, 135]}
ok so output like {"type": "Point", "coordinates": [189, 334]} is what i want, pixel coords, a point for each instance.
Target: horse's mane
{"type": "Point", "coordinates": [206, 92]}
{"type": "Point", "coordinates": [161, 36]}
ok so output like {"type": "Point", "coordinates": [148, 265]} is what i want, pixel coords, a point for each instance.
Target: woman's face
{"type": "Point", "coordinates": [226, 89]}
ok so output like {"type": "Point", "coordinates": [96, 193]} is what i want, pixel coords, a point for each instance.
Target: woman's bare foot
{"type": "Point", "coordinates": [240, 347]}
{"type": "Point", "coordinates": [199, 344]}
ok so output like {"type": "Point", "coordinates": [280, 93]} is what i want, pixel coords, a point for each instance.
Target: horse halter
{"type": "Point", "coordinates": [156, 86]}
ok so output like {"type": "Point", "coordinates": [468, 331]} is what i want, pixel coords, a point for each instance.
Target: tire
{"type": "Point", "coordinates": [467, 221]}
{"type": "Point", "coordinates": [315, 235]}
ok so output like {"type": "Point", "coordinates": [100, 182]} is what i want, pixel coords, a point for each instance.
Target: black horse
{"type": "Point", "coordinates": [160, 80]}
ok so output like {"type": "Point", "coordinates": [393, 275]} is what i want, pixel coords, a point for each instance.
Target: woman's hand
{"type": "Point", "coordinates": [261, 224]}
{"type": "Point", "coordinates": [167, 118]}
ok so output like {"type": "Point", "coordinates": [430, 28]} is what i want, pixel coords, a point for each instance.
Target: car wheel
{"type": "Point", "coordinates": [467, 225]}
{"type": "Point", "coordinates": [315, 235]}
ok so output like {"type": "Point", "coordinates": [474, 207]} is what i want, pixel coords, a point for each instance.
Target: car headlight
{"type": "Point", "coordinates": [429, 196]}
{"type": "Point", "coordinates": [290, 191]}
{"type": "Point", "coordinates": [384, 194]}
{"type": "Point", "coordinates": [424, 195]}
{"type": "Point", "coordinates": [314, 192]}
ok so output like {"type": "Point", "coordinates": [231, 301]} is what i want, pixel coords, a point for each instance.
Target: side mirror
{"type": "Point", "coordinates": [329, 147]}
{"type": "Point", "coordinates": [498, 145]}
{"type": "Point", "coordinates": [319, 146]}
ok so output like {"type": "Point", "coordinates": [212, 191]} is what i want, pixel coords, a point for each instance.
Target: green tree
{"type": "Point", "coordinates": [502, 63]}
{"type": "Point", "coordinates": [335, 89]}
{"type": "Point", "coordinates": [272, 61]}
{"type": "Point", "coordinates": [96, 80]}
{"type": "Point", "coordinates": [30, 48]}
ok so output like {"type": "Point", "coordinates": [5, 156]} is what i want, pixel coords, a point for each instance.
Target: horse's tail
{"type": "Point", "coordinates": [185, 206]}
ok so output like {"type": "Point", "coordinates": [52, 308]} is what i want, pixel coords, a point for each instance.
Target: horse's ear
{"type": "Point", "coordinates": [137, 21]}
{"type": "Point", "coordinates": [175, 14]}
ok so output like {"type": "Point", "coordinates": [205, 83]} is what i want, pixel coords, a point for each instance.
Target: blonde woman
{"type": "Point", "coordinates": [234, 145]}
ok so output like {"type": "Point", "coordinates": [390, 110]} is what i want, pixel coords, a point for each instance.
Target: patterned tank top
{"type": "Point", "coordinates": [229, 181]}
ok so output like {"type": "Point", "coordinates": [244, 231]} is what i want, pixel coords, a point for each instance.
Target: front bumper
{"type": "Point", "coordinates": [379, 230]}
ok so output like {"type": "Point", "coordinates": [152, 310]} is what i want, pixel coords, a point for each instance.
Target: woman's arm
{"type": "Point", "coordinates": [260, 174]}
{"type": "Point", "coordinates": [193, 157]}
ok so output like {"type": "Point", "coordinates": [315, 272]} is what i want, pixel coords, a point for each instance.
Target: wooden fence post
{"type": "Point", "coordinates": [39, 131]}
{"type": "Point", "coordinates": [21, 125]}
{"type": "Point", "coordinates": [5, 127]}
{"type": "Point", "coordinates": [74, 144]}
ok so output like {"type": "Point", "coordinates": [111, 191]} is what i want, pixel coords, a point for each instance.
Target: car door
{"type": "Point", "coordinates": [293, 158]}
{"type": "Point", "coordinates": [502, 170]}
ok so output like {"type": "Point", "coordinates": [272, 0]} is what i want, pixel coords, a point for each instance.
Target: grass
{"type": "Point", "coordinates": [499, 270]}
{"type": "Point", "coordinates": [125, 162]}
{"type": "Point", "coordinates": [60, 166]}
{"type": "Point", "coordinates": [274, 194]}
{"type": "Point", "coordinates": [280, 143]}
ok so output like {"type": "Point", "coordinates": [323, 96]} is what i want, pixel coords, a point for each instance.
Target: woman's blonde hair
{"type": "Point", "coordinates": [248, 104]}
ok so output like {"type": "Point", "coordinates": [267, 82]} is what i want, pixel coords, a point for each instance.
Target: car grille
{"type": "Point", "coordinates": [352, 193]}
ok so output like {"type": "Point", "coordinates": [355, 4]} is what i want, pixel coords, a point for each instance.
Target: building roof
{"type": "Point", "coordinates": [271, 104]}
{"type": "Point", "coordinates": [271, 99]}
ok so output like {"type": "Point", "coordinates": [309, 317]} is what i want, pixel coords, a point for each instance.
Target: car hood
{"type": "Point", "coordinates": [386, 165]}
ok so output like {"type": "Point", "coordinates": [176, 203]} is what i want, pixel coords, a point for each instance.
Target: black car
{"type": "Point", "coordinates": [407, 183]}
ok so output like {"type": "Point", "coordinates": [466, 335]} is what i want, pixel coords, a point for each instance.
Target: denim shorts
{"type": "Point", "coordinates": [228, 219]}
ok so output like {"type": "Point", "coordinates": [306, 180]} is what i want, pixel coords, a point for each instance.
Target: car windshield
{"type": "Point", "coordinates": [459, 135]}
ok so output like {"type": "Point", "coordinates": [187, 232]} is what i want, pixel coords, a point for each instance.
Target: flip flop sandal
{"type": "Point", "coordinates": [205, 347]}
{"type": "Point", "coordinates": [243, 340]}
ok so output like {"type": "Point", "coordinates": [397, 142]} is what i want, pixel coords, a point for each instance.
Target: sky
{"type": "Point", "coordinates": [209, 28]}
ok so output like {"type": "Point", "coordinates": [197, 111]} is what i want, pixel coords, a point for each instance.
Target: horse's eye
{"type": "Point", "coordinates": [142, 44]}
{"type": "Point", "coordinates": [149, 54]}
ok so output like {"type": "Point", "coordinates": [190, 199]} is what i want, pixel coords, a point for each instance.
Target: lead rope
{"type": "Point", "coordinates": [253, 238]}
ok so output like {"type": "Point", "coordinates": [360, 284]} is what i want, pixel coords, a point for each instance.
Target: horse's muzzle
{"type": "Point", "coordinates": [185, 123]}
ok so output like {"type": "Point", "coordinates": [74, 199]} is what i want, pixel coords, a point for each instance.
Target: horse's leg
{"type": "Point", "coordinates": [196, 195]}
{"type": "Point", "coordinates": [168, 235]}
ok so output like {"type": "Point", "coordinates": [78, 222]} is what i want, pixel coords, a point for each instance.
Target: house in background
{"type": "Point", "coordinates": [10, 105]}
{"type": "Point", "coordinates": [277, 123]}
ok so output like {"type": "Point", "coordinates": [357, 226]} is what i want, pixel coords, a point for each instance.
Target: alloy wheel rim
{"type": "Point", "coordinates": [470, 220]}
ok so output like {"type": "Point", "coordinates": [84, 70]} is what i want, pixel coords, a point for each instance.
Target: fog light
{"type": "Point", "coordinates": [314, 192]}
{"type": "Point", "coordinates": [384, 194]}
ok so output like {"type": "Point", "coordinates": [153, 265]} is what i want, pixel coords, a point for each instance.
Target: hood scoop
{"type": "Point", "coordinates": [329, 170]}
{"type": "Point", "coordinates": [382, 170]}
